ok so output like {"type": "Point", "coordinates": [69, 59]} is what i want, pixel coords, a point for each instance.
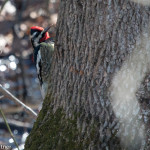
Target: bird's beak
{"type": "Point", "coordinates": [46, 30]}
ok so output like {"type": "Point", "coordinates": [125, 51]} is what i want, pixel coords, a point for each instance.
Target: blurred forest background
{"type": "Point", "coordinates": [17, 71]}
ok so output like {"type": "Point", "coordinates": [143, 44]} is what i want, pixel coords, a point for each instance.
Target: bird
{"type": "Point", "coordinates": [43, 48]}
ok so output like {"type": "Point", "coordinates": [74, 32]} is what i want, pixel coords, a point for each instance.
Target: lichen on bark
{"type": "Point", "coordinates": [52, 130]}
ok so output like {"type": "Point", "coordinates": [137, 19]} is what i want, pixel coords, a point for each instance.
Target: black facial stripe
{"type": "Point", "coordinates": [36, 49]}
{"type": "Point", "coordinates": [40, 73]}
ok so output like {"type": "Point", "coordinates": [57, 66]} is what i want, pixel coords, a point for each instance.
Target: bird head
{"type": "Point", "coordinates": [38, 35]}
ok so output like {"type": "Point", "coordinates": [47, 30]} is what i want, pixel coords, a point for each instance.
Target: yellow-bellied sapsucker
{"type": "Point", "coordinates": [42, 55]}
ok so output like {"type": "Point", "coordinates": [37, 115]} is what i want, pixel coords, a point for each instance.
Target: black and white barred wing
{"type": "Point", "coordinates": [44, 65]}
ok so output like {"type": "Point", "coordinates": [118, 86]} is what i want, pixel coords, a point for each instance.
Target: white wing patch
{"type": "Point", "coordinates": [38, 60]}
{"type": "Point", "coordinates": [42, 87]}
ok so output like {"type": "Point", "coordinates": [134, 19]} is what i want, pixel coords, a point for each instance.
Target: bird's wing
{"type": "Point", "coordinates": [46, 50]}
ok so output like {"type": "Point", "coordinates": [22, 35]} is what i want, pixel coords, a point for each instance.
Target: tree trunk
{"type": "Point", "coordinates": [99, 83]}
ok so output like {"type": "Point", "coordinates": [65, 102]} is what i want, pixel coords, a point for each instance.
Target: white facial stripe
{"type": "Point", "coordinates": [38, 60]}
{"type": "Point", "coordinates": [44, 85]}
{"type": "Point", "coordinates": [34, 34]}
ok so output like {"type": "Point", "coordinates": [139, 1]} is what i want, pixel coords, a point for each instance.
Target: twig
{"type": "Point", "coordinates": [17, 124]}
{"type": "Point", "coordinates": [15, 109]}
{"type": "Point", "coordinates": [9, 128]}
{"type": "Point", "coordinates": [7, 94]}
{"type": "Point", "coordinates": [1, 96]}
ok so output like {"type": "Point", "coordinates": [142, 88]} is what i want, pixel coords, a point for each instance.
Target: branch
{"type": "Point", "coordinates": [7, 94]}
{"type": "Point", "coordinates": [15, 124]}
{"type": "Point", "coordinates": [1, 96]}
{"type": "Point", "coordinates": [8, 127]}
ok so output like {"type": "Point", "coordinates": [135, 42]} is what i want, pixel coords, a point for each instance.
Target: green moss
{"type": "Point", "coordinates": [52, 131]}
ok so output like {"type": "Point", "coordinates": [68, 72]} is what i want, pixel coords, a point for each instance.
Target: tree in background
{"type": "Point", "coordinates": [98, 94]}
{"type": "Point", "coordinates": [17, 70]}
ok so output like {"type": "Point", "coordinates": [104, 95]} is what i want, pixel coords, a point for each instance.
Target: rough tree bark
{"type": "Point", "coordinates": [99, 83]}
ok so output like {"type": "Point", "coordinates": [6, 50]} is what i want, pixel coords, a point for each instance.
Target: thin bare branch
{"type": "Point", "coordinates": [1, 96]}
{"type": "Point", "coordinates": [8, 127]}
{"type": "Point", "coordinates": [7, 94]}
